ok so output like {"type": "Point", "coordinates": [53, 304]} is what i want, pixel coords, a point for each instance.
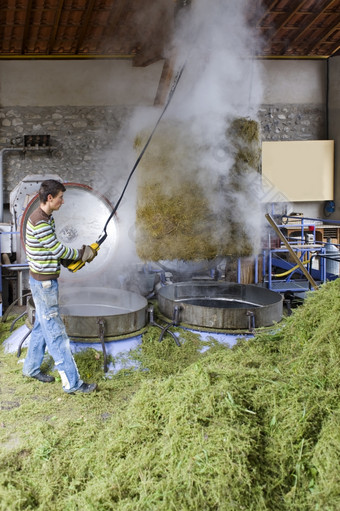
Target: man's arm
{"type": "Point", "coordinates": [41, 239]}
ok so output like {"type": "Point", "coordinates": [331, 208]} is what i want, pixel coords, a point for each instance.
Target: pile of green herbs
{"type": "Point", "coordinates": [203, 426]}
{"type": "Point", "coordinates": [176, 213]}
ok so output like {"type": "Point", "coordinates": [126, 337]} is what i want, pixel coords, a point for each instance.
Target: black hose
{"type": "Point", "coordinates": [103, 236]}
{"type": "Point", "coordinates": [17, 319]}
{"type": "Point", "coordinates": [22, 342]}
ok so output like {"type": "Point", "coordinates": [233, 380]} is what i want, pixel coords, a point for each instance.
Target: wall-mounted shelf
{"type": "Point", "coordinates": [37, 143]}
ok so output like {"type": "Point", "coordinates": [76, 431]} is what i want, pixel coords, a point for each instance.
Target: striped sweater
{"type": "Point", "coordinates": [43, 250]}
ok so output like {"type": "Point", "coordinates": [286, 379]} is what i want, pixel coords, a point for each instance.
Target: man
{"type": "Point", "coordinates": [45, 254]}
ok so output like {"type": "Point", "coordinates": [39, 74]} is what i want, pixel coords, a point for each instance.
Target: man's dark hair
{"type": "Point", "coordinates": [50, 186]}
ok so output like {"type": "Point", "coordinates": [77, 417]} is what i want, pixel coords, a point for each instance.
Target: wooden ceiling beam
{"type": "Point", "coordinates": [325, 35]}
{"type": "Point", "coordinates": [334, 50]}
{"type": "Point", "coordinates": [315, 18]}
{"type": "Point", "coordinates": [55, 27]}
{"type": "Point", "coordinates": [85, 25]}
{"type": "Point", "coordinates": [153, 42]}
{"type": "Point", "coordinates": [269, 10]}
{"type": "Point", "coordinates": [118, 12]}
{"type": "Point", "coordinates": [292, 43]}
{"type": "Point", "coordinates": [275, 31]}
{"type": "Point", "coordinates": [288, 18]}
{"type": "Point", "coordinates": [27, 26]}
{"type": "Point", "coordinates": [299, 27]}
{"type": "Point", "coordinates": [165, 81]}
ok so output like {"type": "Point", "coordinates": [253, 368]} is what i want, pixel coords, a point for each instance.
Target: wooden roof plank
{"type": "Point", "coordinates": [54, 31]}
{"type": "Point", "coordinates": [267, 11]}
{"type": "Point", "coordinates": [334, 50]}
{"type": "Point", "coordinates": [26, 27]}
{"type": "Point", "coordinates": [131, 27]}
{"type": "Point", "coordinates": [335, 26]}
{"type": "Point", "coordinates": [313, 21]}
{"type": "Point", "coordinates": [85, 25]}
{"type": "Point", "coordinates": [289, 16]}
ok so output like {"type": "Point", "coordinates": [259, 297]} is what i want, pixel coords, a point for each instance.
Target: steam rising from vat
{"type": "Point", "coordinates": [221, 82]}
{"type": "Point", "coordinates": [221, 77]}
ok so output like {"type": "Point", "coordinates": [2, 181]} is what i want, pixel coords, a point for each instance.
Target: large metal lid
{"type": "Point", "coordinates": [80, 221]}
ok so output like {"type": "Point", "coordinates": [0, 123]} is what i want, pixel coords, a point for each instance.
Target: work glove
{"type": "Point", "coordinates": [66, 262]}
{"type": "Point", "coordinates": [88, 254]}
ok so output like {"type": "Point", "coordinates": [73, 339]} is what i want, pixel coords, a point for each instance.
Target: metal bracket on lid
{"type": "Point", "coordinates": [251, 321]}
{"type": "Point", "coordinates": [101, 324]}
{"type": "Point", "coordinates": [175, 315]}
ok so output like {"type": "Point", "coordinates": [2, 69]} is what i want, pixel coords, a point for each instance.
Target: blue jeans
{"type": "Point", "coordinates": [49, 331]}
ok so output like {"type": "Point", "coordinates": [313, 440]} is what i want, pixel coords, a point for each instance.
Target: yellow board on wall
{"type": "Point", "coordinates": [302, 171]}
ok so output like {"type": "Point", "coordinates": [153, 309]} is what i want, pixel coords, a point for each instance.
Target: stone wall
{"type": "Point", "coordinates": [82, 136]}
{"type": "Point", "coordinates": [292, 122]}
{"type": "Point", "coordinates": [80, 139]}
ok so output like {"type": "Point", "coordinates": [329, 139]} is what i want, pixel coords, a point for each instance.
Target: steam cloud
{"type": "Point", "coordinates": [221, 81]}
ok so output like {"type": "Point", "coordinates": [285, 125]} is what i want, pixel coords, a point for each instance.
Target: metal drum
{"type": "Point", "coordinates": [83, 309]}
{"type": "Point", "coordinates": [220, 305]}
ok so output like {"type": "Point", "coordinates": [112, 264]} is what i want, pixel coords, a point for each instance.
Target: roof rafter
{"type": "Point", "coordinates": [27, 26]}
{"type": "Point", "coordinates": [313, 21]}
{"type": "Point", "coordinates": [335, 26]}
{"type": "Point", "coordinates": [85, 24]}
{"type": "Point", "coordinates": [288, 17]}
{"type": "Point", "coordinates": [142, 31]}
{"type": "Point", "coordinates": [55, 26]}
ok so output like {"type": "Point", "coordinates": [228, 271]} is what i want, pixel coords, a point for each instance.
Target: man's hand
{"type": "Point", "coordinates": [89, 254]}
{"type": "Point", "coordinates": [66, 262]}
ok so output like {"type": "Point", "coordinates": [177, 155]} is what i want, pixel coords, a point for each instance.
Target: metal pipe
{"type": "Point", "coordinates": [324, 220]}
{"type": "Point", "coordinates": [256, 270]}
{"type": "Point", "coordinates": [239, 270]}
{"type": "Point", "coordinates": [19, 287]}
{"type": "Point", "coordinates": [2, 152]}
